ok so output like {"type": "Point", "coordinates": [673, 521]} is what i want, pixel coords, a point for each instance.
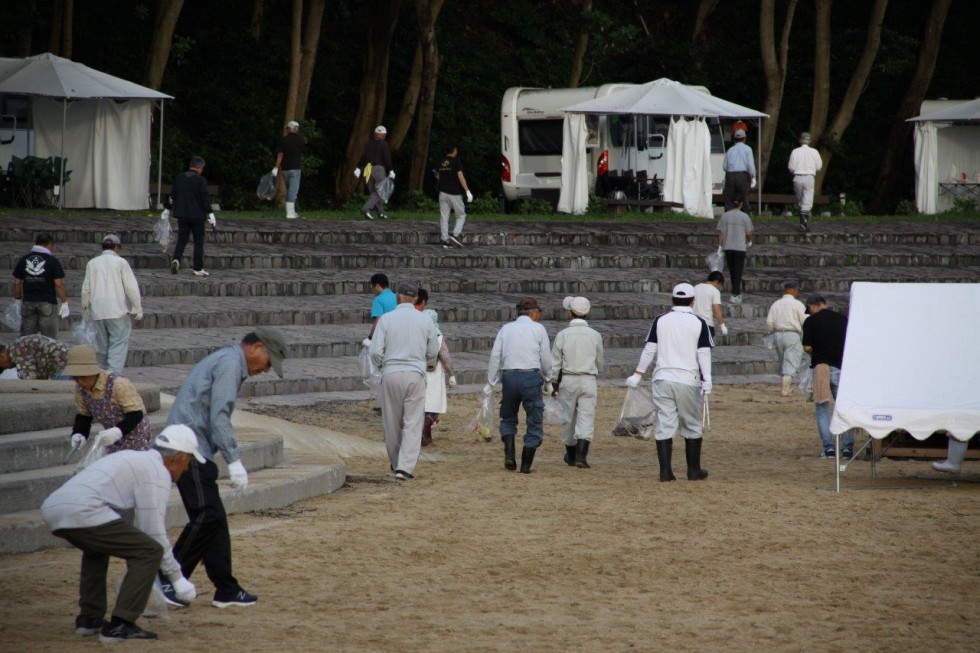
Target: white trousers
{"type": "Point", "coordinates": [578, 394]}
{"type": "Point", "coordinates": [449, 203]}
{"type": "Point", "coordinates": [403, 413]}
{"type": "Point", "coordinates": [803, 187]}
{"type": "Point", "coordinates": [678, 406]}
{"type": "Point", "coordinates": [789, 348]}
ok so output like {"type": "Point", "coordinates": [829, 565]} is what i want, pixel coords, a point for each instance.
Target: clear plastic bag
{"type": "Point", "coordinates": [483, 423]}
{"type": "Point", "coordinates": [804, 380]}
{"type": "Point", "coordinates": [83, 332]}
{"type": "Point", "coordinates": [638, 415]}
{"type": "Point", "coordinates": [12, 316]}
{"type": "Point", "coordinates": [267, 187]}
{"type": "Point", "coordinates": [162, 232]}
{"type": "Point", "coordinates": [92, 451]}
{"type": "Point", "coordinates": [370, 375]}
{"type": "Point", "coordinates": [769, 342]}
{"type": "Point", "coordinates": [156, 605]}
{"type": "Point", "coordinates": [716, 261]}
{"type": "Point", "coordinates": [555, 411]}
{"type": "Point", "coordinates": [385, 189]}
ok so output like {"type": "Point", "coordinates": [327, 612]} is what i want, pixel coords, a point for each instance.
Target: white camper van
{"type": "Point", "coordinates": [16, 135]}
{"type": "Point", "coordinates": [622, 159]}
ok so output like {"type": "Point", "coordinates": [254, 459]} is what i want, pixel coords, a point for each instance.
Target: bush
{"type": "Point", "coordinates": [355, 202]}
{"type": "Point", "coordinates": [532, 206]}
{"type": "Point", "coordinates": [963, 205]}
{"type": "Point", "coordinates": [33, 179]}
{"type": "Point", "coordinates": [851, 208]}
{"type": "Point", "coordinates": [421, 202]}
{"type": "Point", "coordinates": [906, 207]}
{"type": "Point", "coordinates": [486, 204]}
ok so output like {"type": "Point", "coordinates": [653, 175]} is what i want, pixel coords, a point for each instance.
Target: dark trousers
{"type": "Point", "coordinates": [39, 317]}
{"type": "Point", "coordinates": [737, 187]}
{"type": "Point", "coordinates": [184, 230]}
{"type": "Point", "coordinates": [522, 387]}
{"type": "Point", "coordinates": [121, 540]}
{"type": "Point", "coordinates": [735, 260]}
{"type": "Point", "coordinates": [205, 538]}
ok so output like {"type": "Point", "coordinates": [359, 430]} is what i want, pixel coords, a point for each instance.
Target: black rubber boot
{"type": "Point", "coordinates": [665, 449]}
{"type": "Point", "coordinates": [805, 222]}
{"type": "Point", "coordinates": [527, 457]}
{"type": "Point", "coordinates": [510, 457]}
{"type": "Point", "coordinates": [692, 451]}
{"type": "Point", "coordinates": [569, 455]}
{"type": "Point", "coordinates": [582, 454]}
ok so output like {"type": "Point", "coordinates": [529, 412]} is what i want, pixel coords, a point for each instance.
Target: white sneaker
{"type": "Point", "coordinates": [946, 466]}
{"type": "Point", "coordinates": [201, 273]}
{"type": "Point", "coordinates": [736, 299]}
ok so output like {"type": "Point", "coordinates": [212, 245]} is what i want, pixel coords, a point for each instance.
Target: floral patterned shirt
{"type": "Point", "coordinates": [38, 357]}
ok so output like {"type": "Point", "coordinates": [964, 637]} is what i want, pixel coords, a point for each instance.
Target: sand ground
{"type": "Point", "coordinates": [470, 557]}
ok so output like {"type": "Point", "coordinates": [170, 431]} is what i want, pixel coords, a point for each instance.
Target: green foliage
{"type": "Point", "coordinates": [535, 206]}
{"type": "Point", "coordinates": [355, 202]}
{"type": "Point", "coordinates": [851, 208]}
{"type": "Point", "coordinates": [417, 200]}
{"type": "Point", "coordinates": [484, 204]}
{"type": "Point", "coordinates": [963, 205]}
{"type": "Point", "coordinates": [32, 179]}
{"type": "Point", "coordinates": [906, 207]}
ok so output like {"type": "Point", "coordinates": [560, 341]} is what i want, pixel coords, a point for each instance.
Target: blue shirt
{"type": "Point", "coordinates": [207, 399]}
{"type": "Point", "coordinates": [520, 345]}
{"type": "Point", "coordinates": [739, 159]}
{"type": "Point", "coordinates": [384, 302]}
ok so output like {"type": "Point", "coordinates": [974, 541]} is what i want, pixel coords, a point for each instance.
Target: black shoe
{"type": "Point", "coordinates": [403, 476]}
{"type": "Point", "coordinates": [454, 241]}
{"type": "Point", "coordinates": [86, 626]}
{"type": "Point", "coordinates": [510, 456]}
{"type": "Point", "coordinates": [847, 454]}
{"type": "Point", "coordinates": [581, 454]}
{"type": "Point", "coordinates": [367, 215]}
{"type": "Point", "coordinates": [444, 243]}
{"type": "Point", "coordinates": [527, 457]}
{"type": "Point", "coordinates": [805, 222]}
{"type": "Point", "coordinates": [239, 598]}
{"type": "Point", "coordinates": [665, 449]}
{"type": "Point", "coordinates": [122, 631]}
{"type": "Point", "coordinates": [174, 266]}
{"type": "Point", "coordinates": [692, 451]}
{"type": "Point", "coordinates": [569, 457]}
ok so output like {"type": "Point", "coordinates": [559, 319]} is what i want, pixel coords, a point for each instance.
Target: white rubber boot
{"type": "Point", "coordinates": [291, 210]}
{"type": "Point", "coordinates": [954, 457]}
{"type": "Point", "coordinates": [787, 385]}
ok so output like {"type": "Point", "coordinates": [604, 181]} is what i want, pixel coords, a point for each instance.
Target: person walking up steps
{"type": "Point", "coordinates": [452, 185]}
{"type": "Point", "coordinates": [191, 207]}
{"type": "Point", "coordinates": [377, 153]}
{"type": "Point", "coordinates": [804, 163]}
{"type": "Point", "coordinates": [785, 321]}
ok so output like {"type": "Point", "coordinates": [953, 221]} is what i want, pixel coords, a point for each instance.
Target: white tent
{"type": "Point", "coordinates": [99, 122]}
{"type": "Point", "coordinates": [690, 147]}
{"type": "Point", "coordinates": [947, 146]}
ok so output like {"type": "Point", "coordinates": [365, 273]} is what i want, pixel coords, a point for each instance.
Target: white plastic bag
{"type": "Point", "coordinates": [637, 416]}
{"type": "Point", "coordinates": [267, 187]}
{"type": "Point", "coordinates": [483, 423]}
{"type": "Point", "coordinates": [370, 375]}
{"type": "Point", "coordinates": [385, 189]}
{"type": "Point", "coordinates": [12, 316]}
{"type": "Point", "coordinates": [93, 449]}
{"type": "Point", "coordinates": [83, 333]}
{"type": "Point", "coordinates": [716, 261]}
{"type": "Point", "coordinates": [804, 379]}
{"type": "Point", "coordinates": [769, 342]}
{"type": "Point", "coordinates": [555, 411]}
{"type": "Point", "coordinates": [162, 233]}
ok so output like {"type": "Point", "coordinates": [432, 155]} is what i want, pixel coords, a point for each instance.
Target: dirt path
{"type": "Point", "coordinates": [469, 557]}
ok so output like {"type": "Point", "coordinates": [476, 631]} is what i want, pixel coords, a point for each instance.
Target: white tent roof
{"type": "Point", "coordinates": [51, 76]}
{"type": "Point", "coordinates": [664, 97]}
{"type": "Point", "coordinates": [910, 360]}
{"type": "Point", "coordinates": [966, 111]}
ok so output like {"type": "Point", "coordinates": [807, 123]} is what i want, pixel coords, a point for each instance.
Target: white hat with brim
{"type": "Point", "coordinates": [577, 305]}
{"type": "Point", "coordinates": [81, 362]}
{"type": "Point", "coordinates": [178, 437]}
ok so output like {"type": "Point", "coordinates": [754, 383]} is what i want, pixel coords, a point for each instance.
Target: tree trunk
{"type": "Point", "coordinates": [67, 29]}
{"type": "Point", "coordinates": [57, 20]}
{"type": "Point", "coordinates": [295, 61]}
{"type": "Point", "coordinates": [258, 11]}
{"type": "Point", "coordinates": [24, 41]}
{"type": "Point", "coordinates": [311, 44]}
{"type": "Point", "coordinates": [383, 16]}
{"type": "Point", "coordinates": [427, 12]}
{"type": "Point", "coordinates": [859, 78]}
{"type": "Point", "coordinates": [704, 9]}
{"type": "Point", "coordinates": [821, 69]}
{"type": "Point", "coordinates": [898, 137]}
{"type": "Point", "coordinates": [581, 48]}
{"type": "Point", "coordinates": [164, 23]}
{"type": "Point", "coordinates": [396, 135]}
{"type": "Point", "coordinates": [775, 70]}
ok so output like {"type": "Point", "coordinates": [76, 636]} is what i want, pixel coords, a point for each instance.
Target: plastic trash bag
{"type": "Point", "coordinates": [804, 380]}
{"type": "Point", "coordinates": [385, 189]}
{"type": "Point", "coordinates": [12, 316]}
{"type": "Point", "coordinates": [716, 261]}
{"type": "Point", "coordinates": [555, 411]}
{"type": "Point", "coordinates": [83, 333]}
{"type": "Point", "coordinates": [638, 415]}
{"type": "Point", "coordinates": [370, 375]}
{"type": "Point", "coordinates": [156, 605]}
{"type": "Point", "coordinates": [483, 423]}
{"type": "Point", "coordinates": [93, 449]}
{"type": "Point", "coordinates": [162, 233]}
{"type": "Point", "coordinates": [769, 342]}
{"type": "Point", "coordinates": [267, 187]}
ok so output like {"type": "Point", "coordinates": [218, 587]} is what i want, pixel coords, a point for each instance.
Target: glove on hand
{"type": "Point", "coordinates": [165, 215]}
{"type": "Point", "coordinates": [212, 220]}
{"type": "Point", "coordinates": [469, 196]}
{"type": "Point", "coordinates": [185, 590]}
{"type": "Point", "coordinates": [239, 477]}
{"type": "Point", "coordinates": [391, 175]}
{"type": "Point", "coordinates": [452, 382]}
{"type": "Point", "coordinates": [724, 330]}
{"type": "Point", "coordinates": [720, 250]}
{"type": "Point", "coordinates": [634, 381]}
{"type": "Point", "coordinates": [275, 172]}
{"type": "Point", "coordinates": [706, 387]}
{"type": "Point", "coordinates": [110, 437]}
{"type": "Point", "coordinates": [366, 342]}
{"type": "Point", "coordinates": [77, 440]}
{"type": "Point", "coordinates": [357, 173]}
{"type": "Point", "coordinates": [63, 311]}
{"type": "Point", "coordinates": [487, 389]}
{"type": "Point", "coordinates": [138, 315]}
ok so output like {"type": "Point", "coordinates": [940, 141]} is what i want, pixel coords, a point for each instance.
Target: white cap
{"type": "Point", "coordinates": [178, 437]}
{"type": "Point", "coordinates": [739, 133]}
{"type": "Point", "coordinates": [577, 305]}
{"type": "Point", "coordinates": [683, 291]}
{"type": "Point", "coordinates": [380, 129]}
{"type": "Point", "coordinates": [292, 124]}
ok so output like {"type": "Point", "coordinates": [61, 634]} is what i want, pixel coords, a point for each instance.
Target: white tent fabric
{"type": "Point", "coordinates": [574, 196]}
{"type": "Point", "coordinates": [926, 177]}
{"type": "Point", "coordinates": [665, 97]}
{"type": "Point", "coordinates": [966, 111]}
{"type": "Point", "coordinates": [957, 151]}
{"type": "Point", "coordinates": [910, 360]}
{"type": "Point", "coordinates": [52, 76]}
{"type": "Point", "coordinates": [689, 166]}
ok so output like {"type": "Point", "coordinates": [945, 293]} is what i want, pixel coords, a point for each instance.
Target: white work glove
{"type": "Point", "coordinates": [275, 172]}
{"type": "Point", "coordinates": [165, 214]}
{"type": "Point", "coordinates": [752, 184]}
{"type": "Point", "coordinates": [748, 244]}
{"type": "Point", "coordinates": [63, 311]}
{"type": "Point", "coordinates": [366, 342]}
{"type": "Point", "coordinates": [634, 380]}
{"type": "Point", "coordinates": [469, 196]}
{"type": "Point", "coordinates": [706, 387]}
{"type": "Point", "coordinates": [239, 477]}
{"type": "Point", "coordinates": [185, 590]}
{"type": "Point", "coordinates": [77, 440]}
{"type": "Point", "coordinates": [391, 175]}
{"type": "Point", "coordinates": [452, 382]}
{"type": "Point", "coordinates": [720, 250]}
{"type": "Point", "coordinates": [138, 315]}
{"type": "Point", "coordinates": [110, 437]}
{"type": "Point", "coordinates": [213, 220]}
{"type": "Point", "coordinates": [487, 389]}
{"type": "Point", "coordinates": [357, 173]}
{"type": "Point", "coordinates": [724, 330]}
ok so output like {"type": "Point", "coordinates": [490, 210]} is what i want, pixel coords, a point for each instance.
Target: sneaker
{"type": "Point", "coordinates": [240, 598]}
{"type": "Point", "coordinates": [174, 266]}
{"type": "Point", "coordinates": [828, 453]}
{"type": "Point", "coordinates": [384, 216]}
{"type": "Point", "coordinates": [454, 241]}
{"type": "Point", "coordinates": [122, 631]}
{"type": "Point", "coordinates": [86, 626]}
{"type": "Point", "coordinates": [736, 299]}
{"type": "Point", "coordinates": [847, 454]}
{"type": "Point", "coordinates": [403, 476]}
{"type": "Point", "coordinates": [169, 594]}
{"type": "Point", "coordinates": [444, 243]}
{"type": "Point", "coordinates": [367, 215]}
{"type": "Point", "coordinates": [201, 273]}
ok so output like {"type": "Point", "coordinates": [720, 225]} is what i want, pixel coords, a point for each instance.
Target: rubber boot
{"type": "Point", "coordinates": [692, 451]}
{"type": "Point", "coordinates": [291, 210]}
{"type": "Point", "coordinates": [527, 457]}
{"type": "Point", "coordinates": [665, 449]}
{"type": "Point", "coordinates": [954, 457]}
{"type": "Point", "coordinates": [510, 457]}
{"type": "Point", "coordinates": [582, 454]}
{"type": "Point", "coordinates": [787, 386]}
{"type": "Point", "coordinates": [805, 222]}
{"type": "Point", "coordinates": [569, 455]}
{"type": "Point", "coordinates": [427, 431]}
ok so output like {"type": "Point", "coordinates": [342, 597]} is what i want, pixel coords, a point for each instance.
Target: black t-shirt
{"type": "Point", "coordinates": [449, 177]}
{"type": "Point", "coordinates": [37, 271]}
{"type": "Point", "coordinates": [291, 147]}
{"type": "Point", "coordinates": [825, 332]}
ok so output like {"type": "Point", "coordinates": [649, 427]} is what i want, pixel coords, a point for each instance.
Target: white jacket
{"type": "Point", "coordinates": [109, 283]}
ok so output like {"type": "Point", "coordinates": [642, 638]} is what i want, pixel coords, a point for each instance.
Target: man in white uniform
{"type": "Point", "coordinates": [804, 163]}
{"type": "Point", "coordinates": [785, 321]}
{"type": "Point", "coordinates": [707, 302]}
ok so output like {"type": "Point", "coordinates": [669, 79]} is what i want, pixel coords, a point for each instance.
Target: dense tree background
{"type": "Point", "coordinates": [231, 79]}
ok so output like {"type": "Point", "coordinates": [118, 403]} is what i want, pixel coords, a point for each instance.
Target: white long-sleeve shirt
{"type": "Point", "coordinates": [786, 314]}
{"type": "Point", "coordinates": [125, 480]}
{"type": "Point", "coordinates": [520, 345]}
{"type": "Point", "coordinates": [805, 160]}
{"type": "Point", "coordinates": [109, 290]}
{"type": "Point", "coordinates": [404, 341]}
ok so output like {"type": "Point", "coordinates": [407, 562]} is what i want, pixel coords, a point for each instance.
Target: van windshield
{"type": "Point", "coordinates": [540, 137]}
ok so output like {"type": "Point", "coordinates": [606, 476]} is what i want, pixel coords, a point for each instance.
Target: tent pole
{"type": "Point", "coordinates": [758, 164]}
{"type": "Point", "coordinates": [160, 154]}
{"type": "Point", "coordinates": [837, 460]}
{"type": "Point", "coordinates": [61, 171]}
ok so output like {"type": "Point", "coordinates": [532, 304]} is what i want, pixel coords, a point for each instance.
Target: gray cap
{"type": "Point", "coordinates": [815, 298]}
{"type": "Point", "coordinates": [805, 137]}
{"type": "Point", "coordinates": [111, 239]}
{"type": "Point", "coordinates": [408, 289]}
{"type": "Point", "coordinates": [275, 344]}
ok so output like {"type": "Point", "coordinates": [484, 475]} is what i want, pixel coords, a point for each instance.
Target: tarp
{"type": "Point", "coordinates": [574, 178]}
{"type": "Point", "coordinates": [911, 360]}
{"type": "Point", "coordinates": [688, 178]}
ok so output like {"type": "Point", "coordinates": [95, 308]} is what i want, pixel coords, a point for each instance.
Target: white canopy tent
{"type": "Point", "coordinates": [688, 148]}
{"type": "Point", "coordinates": [107, 138]}
{"type": "Point", "coordinates": [910, 361]}
{"type": "Point", "coordinates": [947, 145]}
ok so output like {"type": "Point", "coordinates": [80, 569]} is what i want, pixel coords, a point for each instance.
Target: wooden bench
{"type": "Point", "coordinates": [782, 199]}
{"type": "Point", "coordinates": [621, 206]}
{"type": "Point", "coordinates": [214, 193]}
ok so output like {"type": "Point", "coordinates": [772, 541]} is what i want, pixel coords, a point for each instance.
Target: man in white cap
{"type": "Point", "coordinates": [577, 359]}
{"type": "Point", "coordinates": [111, 300]}
{"type": "Point", "coordinates": [681, 343]}
{"type": "Point", "coordinates": [739, 167]}
{"type": "Point", "coordinates": [378, 155]}
{"type": "Point", "coordinates": [804, 164]}
{"type": "Point", "coordinates": [785, 322]}
{"type": "Point", "coordinates": [289, 159]}
{"type": "Point", "coordinates": [85, 512]}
